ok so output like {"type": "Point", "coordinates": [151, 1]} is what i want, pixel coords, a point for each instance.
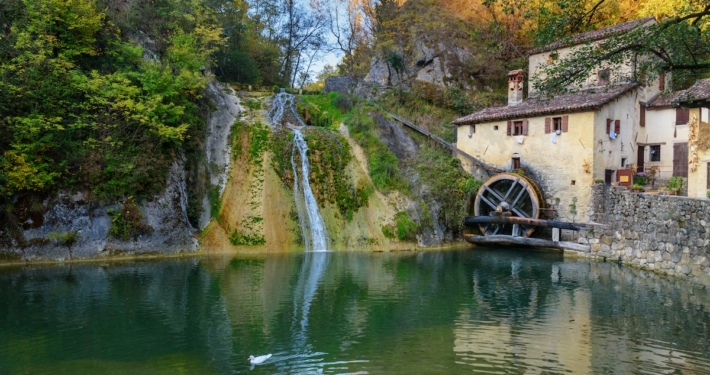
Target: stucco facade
{"type": "Point", "coordinates": [662, 131]}
{"type": "Point", "coordinates": [557, 167]}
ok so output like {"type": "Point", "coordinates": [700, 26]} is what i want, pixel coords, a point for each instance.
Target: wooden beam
{"type": "Point", "coordinates": [475, 220]}
{"type": "Point", "coordinates": [537, 242]}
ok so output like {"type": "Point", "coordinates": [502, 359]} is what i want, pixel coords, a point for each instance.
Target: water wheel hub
{"type": "Point", "coordinates": [508, 194]}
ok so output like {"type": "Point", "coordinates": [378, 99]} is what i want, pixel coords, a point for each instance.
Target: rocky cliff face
{"type": "Point", "coordinates": [72, 226]}
{"type": "Point", "coordinates": [421, 207]}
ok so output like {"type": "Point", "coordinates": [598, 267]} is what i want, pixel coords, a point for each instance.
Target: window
{"type": "Point", "coordinates": [495, 127]}
{"type": "Point", "coordinates": [613, 125]}
{"type": "Point", "coordinates": [661, 81]}
{"type": "Point", "coordinates": [655, 153]}
{"type": "Point", "coordinates": [682, 116]}
{"type": "Point", "coordinates": [516, 163]}
{"type": "Point", "coordinates": [642, 114]}
{"type": "Point", "coordinates": [471, 130]}
{"type": "Point", "coordinates": [623, 162]}
{"type": "Point", "coordinates": [557, 124]}
{"type": "Point", "coordinates": [603, 77]}
{"type": "Point", "coordinates": [517, 127]}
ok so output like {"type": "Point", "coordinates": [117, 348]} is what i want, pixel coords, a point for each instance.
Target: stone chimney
{"type": "Point", "coordinates": [515, 87]}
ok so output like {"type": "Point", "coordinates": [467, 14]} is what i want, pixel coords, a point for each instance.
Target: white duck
{"type": "Point", "coordinates": [258, 360]}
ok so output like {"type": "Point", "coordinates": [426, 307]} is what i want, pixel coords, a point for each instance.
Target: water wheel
{"type": "Point", "coordinates": [508, 194]}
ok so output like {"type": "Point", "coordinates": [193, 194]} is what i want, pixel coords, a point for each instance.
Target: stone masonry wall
{"type": "Point", "coordinates": [665, 234]}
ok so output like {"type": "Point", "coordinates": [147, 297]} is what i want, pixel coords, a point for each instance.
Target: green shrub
{"type": "Point", "coordinates": [388, 231]}
{"type": "Point", "coordinates": [598, 181]}
{"type": "Point", "coordinates": [708, 193]}
{"type": "Point", "coordinates": [215, 201]}
{"type": "Point", "coordinates": [384, 166]}
{"type": "Point", "coordinates": [675, 183]}
{"type": "Point", "coordinates": [66, 239]}
{"type": "Point", "coordinates": [406, 228]}
{"type": "Point", "coordinates": [127, 223]}
{"type": "Point", "coordinates": [241, 239]}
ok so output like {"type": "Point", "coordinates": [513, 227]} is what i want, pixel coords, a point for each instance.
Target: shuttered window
{"type": "Point", "coordinates": [608, 125]}
{"type": "Point", "coordinates": [565, 124]}
{"type": "Point", "coordinates": [617, 127]}
{"type": "Point", "coordinates": [642, 114]}
{"type": "Point", "coordinates": [553, 124]}
{"type": "Point", "coordinates": [518, 127]}
{"type": "Point", "coordinates": [682, 116]}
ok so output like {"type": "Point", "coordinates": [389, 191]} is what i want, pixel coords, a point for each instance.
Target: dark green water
{"type": "Point", "coordinates": [470, 311]}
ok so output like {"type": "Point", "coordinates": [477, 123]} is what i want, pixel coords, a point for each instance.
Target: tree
{"type": "Point", "coordinates": [304, 30]}
{"type": "Point", "coordinates": [679, 44]}
{"type": "Point", "coordinates": [345, 21]}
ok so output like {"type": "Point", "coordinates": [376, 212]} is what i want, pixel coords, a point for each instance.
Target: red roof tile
{"type": "Point", "coordinates": [700, 91]}
{"type": "Point", "coordinates": [574, 102]}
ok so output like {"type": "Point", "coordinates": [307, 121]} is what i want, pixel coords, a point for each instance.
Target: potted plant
{"type": "Point", "coordinates": [641, 178]}
{"type": "Point", "coordinates": [675, 183]}
{"type": "Point", "coordinates": [637, 188]}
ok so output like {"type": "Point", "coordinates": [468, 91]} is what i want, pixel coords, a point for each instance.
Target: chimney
{"type": "Point", "coordinates": [515, 87]}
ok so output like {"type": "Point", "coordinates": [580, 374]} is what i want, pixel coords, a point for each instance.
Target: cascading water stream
{"type": "Point", "coordinates": [317, 239]}
{"type": "Point", "coordinates": [315, 235]}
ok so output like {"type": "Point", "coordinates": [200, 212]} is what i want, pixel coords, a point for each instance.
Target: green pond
{"type": "Point", "coordinates": [468, 311]}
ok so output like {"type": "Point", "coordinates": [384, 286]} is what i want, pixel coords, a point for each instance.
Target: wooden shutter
{"type": "Point", "coordinates": [608, 125]}
{"type": "Point", "coordinates": [565, 124]}
{"type": "Point", "coordinates": [661, 81]}
{"type": "Point", "coordinates": [642, 114]}
{"type": "Point", "coordinates": [680, 159]}
{"type": "Point", "coordinates": [617, 127]}
{"type": "Point", "coordinates": [682, 116]}
{"type": "Point", "coordinates": [547, 125]}
{"type": "Point", "coordinates": [510, 128]}
{"type": "Point", "coordinates": [525, 127]}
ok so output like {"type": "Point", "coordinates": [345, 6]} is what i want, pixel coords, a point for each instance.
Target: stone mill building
{"type": "Point", "coordinates": [599, 130]}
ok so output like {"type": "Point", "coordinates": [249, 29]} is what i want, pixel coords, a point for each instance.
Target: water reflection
{"type": "Point", "coordinates": [433, 312]}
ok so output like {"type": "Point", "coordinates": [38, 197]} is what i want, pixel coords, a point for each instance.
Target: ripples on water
{"type": "Point", "coordinates": [471, 311]}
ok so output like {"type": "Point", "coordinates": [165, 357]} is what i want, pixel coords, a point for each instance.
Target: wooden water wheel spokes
{"type": "Point", "coordinates": [508, 194]}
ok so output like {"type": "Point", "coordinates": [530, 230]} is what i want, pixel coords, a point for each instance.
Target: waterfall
{"type": "Point", "coordinates": [315, 236]}
{"type": "Point", "coordinates": [282, 104]}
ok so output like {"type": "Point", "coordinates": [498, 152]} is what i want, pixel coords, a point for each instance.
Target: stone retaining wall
{"type": "Point", "coordinates": [666, 234]}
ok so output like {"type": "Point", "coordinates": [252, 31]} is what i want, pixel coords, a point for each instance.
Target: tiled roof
{"type": "Point", "coordinates": [665, 100]}
{"type": "Point", "coordinates": [591, 36]}
{"type": "Point", "coordinates": [699, 91]}
{"type": "Point", "coordinates": [574, 102]}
